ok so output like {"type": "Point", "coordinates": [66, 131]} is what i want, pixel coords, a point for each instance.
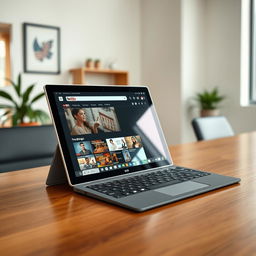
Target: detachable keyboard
{"type": "Point", "coordinates": [149, 181]}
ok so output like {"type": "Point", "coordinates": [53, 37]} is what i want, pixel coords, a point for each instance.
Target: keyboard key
{"type": "Point", "coordinates": [149, 181]}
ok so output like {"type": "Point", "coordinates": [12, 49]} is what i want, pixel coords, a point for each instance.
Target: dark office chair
{"type": "Point", "coordinates": [207, 128]}
{"type": "Point", "coordinates": [26, 147]}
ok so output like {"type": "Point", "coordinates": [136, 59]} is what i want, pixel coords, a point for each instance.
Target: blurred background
{"type": "Point", "coordinates": [178, 48]}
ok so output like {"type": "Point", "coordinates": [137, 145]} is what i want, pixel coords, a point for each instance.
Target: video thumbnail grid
{"type": "Point", "coordinates": [109, 154]}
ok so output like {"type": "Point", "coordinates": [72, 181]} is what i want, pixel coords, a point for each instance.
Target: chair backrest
{"type": "Point", "coordinates": [207, 128]}
{"type": "Point", "coordinates": [26, 147]}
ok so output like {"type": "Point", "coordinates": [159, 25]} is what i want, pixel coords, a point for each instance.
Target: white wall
{"type": "Point", "coordinates": [223, 60]}
{"type": "Point", "coordinates": [173, 61]}
{"type": "Point", "coordinates": [193, 61]}
{"type": "Point", "coordinates": [161, 61]}
{"type": "Point", "coordinates": [109, 30]}
{"type": "Point", "coordinates": [211, 50]}
{"type": "Point", "coordinates": [188, 46]}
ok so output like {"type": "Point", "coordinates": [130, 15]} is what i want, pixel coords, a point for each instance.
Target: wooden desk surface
{"type": "Point", "coordinates": [35, 220]}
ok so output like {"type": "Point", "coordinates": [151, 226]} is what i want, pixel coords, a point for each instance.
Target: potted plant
{"type": "Point", "coordinates": [209, 101]}
{"type": "Point", "coordinates": [21, 109]}
{"type": "Point", "coordinates": [89, 63]}
{"type": "Point", "coordinates": [97, 63]}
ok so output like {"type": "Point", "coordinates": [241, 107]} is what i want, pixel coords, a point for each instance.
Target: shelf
{"type": "Point", "coordinates": [79, 75]}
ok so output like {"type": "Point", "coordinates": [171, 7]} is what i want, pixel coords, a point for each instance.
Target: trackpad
{"type": "Point", "coordinates": [181, 188]}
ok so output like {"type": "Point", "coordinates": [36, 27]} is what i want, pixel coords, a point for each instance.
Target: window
{"type": "Point", "coordinates": [5, 65]}
{"type": "Point", "coordinates": [252, 90]}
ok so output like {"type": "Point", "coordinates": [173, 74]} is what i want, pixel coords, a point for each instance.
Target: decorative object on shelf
{"type": "Point", "coordinates": [20, 110]}
{"type": "Point", "coordinates": [89, 63]}
{"type": "Point", "coordinates": [208, 101]}
{"type": "Point", "coordinates": [112, 64]}
{"type": "Point", "coordinates": [97, 64]}
{"type": "Point", "coordinates": [41, 45]}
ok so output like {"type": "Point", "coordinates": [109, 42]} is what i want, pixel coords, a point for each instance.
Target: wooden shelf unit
{"type": "Point", "coordinates": [79, 75]}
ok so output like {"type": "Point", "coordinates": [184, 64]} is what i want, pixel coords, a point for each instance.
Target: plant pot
{"type": "Point", "coordinates": [29, 124]}
{"type": "Point", "coordinates": [209, 112]}
{"type": "Point", "coordinates": [97, 64]}
{"type": "Point", "coordinates": [89, 64]}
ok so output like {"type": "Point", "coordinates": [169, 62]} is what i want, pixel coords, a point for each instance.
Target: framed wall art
{"type": "Point", "coordinates": [41, 46]}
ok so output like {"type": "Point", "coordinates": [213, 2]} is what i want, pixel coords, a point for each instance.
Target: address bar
{"type": "Point", "coordinates": [96, 98]}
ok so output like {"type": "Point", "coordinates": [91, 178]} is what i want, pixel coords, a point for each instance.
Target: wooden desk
{"type": "Point", "coordinates": [35, 220]}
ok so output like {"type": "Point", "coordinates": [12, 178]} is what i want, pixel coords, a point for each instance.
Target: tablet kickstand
{"type": "Point", "coordinates": [57, 174]}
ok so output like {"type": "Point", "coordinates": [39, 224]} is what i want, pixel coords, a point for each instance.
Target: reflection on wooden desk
{"type": "Point", "coordinates": [37, 220]}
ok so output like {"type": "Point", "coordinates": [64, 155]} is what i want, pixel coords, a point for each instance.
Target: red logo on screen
{"type": "Point", "coordinates": [71, 98]}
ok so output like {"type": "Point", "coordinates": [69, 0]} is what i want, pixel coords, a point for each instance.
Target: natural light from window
{"type": "Point", "coordinates": [252, 52]}
{"type": "Point", "coordinates": [248, 54]}
{"type": "Point", "coordinates": [2, 62]}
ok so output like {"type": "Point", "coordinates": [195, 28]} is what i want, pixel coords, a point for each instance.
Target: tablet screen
{"type": "Point", "coordinates": [107, 130]}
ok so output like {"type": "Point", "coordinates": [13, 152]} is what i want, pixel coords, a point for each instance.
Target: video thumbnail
{"type": "Point", "coordinates": [91, 120]}
{"type": "Point", "coordinates": [117, 157]}
{"type": "Point", "coordinates": [104, 159]}
{"type": "Point", "coordinates": [116, 144]}
{"type": "Point", "coordinates": [83, 148]}
{"type": "Point", "coordinates": [126, 155]}
{"type": "Point", "coordinates": [133, 141]}
{"type": "Point", "coordinates": [87, 162]}
{"type": "Point", "coordinates": [99, 146]}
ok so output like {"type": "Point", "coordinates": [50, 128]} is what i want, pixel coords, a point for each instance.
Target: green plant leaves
{"type": "Point", "coordinates": [5, 106]}
{"type": "Point", "coordinates": [38, 115]}
{"type": "Point", "coordinates": [209, 99]}
{"type": "Point", "coordinates": [17, 87]}
{"type": "Point", "coordinates": [26, 94]}
{"type": "Point", "coordinates": [16, 118]}
{"type": "Point", "coordinates": [6, 96]}
{"type": "Point", "coordinates": [41, 115]}
{"type": "Point", "coordinates": [22, 108]}
{"type": "Point", "coordinates": [37, 97]}
{"type": "Point", "coordinates": [6, 113]}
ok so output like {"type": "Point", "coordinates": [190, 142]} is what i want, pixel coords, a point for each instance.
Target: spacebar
{"type": "Point", "coordinates": [160, 185]}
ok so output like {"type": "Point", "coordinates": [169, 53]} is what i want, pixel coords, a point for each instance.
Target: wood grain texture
{"type": "Point", "coordinates": [36, 220]}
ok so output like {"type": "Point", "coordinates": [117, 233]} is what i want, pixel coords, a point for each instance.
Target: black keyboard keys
{"type": "Point", "coordinates": [149, 181]}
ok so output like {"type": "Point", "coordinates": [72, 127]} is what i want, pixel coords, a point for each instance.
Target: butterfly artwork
{"type": "Point", "coordinates": [42, 51]}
